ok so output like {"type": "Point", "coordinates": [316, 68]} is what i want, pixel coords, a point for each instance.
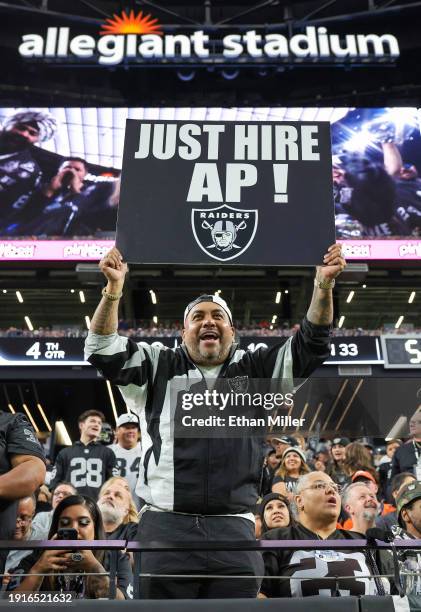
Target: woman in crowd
{"type": "Point", "coordinates": [358, 457]}
{"type": "Point", "coordinates": [42, 520]}
{"type": "Point", "coordinates": [293, 465]}
{"type": "Point", "coordinates": [81, 513]}
{"type": "Point", "coordinates": [274, 512]}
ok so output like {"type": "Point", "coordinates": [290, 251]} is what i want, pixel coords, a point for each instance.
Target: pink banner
{"type": "Point", "coordinates": [54, 250]}
{"type": "Point", "coordinates": [93, 250]}
{"type": "Point", "coordinates": [382, 249]}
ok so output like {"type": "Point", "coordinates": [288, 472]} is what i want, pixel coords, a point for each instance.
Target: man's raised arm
{"type": "Point", "coordinates": [320, 311]}
{"type": "Point", "coordinates": [105, 319]}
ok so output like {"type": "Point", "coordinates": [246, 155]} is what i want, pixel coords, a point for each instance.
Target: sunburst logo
{"type": "Point", "coordinates": [131, 24]}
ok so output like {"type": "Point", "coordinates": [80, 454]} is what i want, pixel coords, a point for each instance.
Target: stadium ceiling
{"type": "Point", "coordinates": [221, 13]}
{"type": "Point", "coordinates": [51, 296]}
{"type": "Point", "coordinates": [164, 84]}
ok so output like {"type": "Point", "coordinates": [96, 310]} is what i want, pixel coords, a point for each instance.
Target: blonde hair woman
{"type": "Point", "coordinates": [293, 465]}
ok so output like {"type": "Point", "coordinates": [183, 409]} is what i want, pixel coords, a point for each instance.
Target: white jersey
{"type": "Point", "coordinates": [128, 463]}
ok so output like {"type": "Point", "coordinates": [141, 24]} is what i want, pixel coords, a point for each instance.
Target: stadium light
{"type": "Point", "coordinates": [341, 321]}
{"type": "Point", "coordinates": [62, 435]}
{"type": "Point", "coordinates": [153, 296]}
{"type": "Point", "coordinates": [411, 297]}
{"type": "Point", "coordinates": [72, 290]}
{"type": "Point", "coordinates": [12, 410]}
{"type": "Point", "coordinates": [274, 318]}
{"type": "Point", "coordinates": [350, 296]}
{"type": "Point", "coordinates": [278, 297]}
{"type": "Point", "coordinates": [4, 290]}
{"type": "Point", "coordinates": [42, 413]}
{"type": "Point", "coordinates": [286, 291]}
{"type": "Point", "coordinates": [399, 322]}
{"type": "Point", "coordinates": [82, 297]}
{"type": "Point", "coordinates": [364, 286]}
{"type": "Point", "coordinates": [112, 401]}
{"type": "Point", "coordinates": [28, 412]}
{"type": "Point", "coordinates": [29, 323]}
{"type": "Point", "coordinates": [155, 320]}
{"type": "Point", "coordinates": [19, 296]}
{"type": "Point", "coordinates": [87, 322]}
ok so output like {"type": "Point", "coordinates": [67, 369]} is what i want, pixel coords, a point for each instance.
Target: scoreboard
{"type": "Point", "coordinates": [402, 351]}
{"type": "Point", "coordinates": [35, 352]}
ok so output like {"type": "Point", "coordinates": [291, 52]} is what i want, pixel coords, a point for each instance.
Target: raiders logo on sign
{"type": "Point", "coordinates": [224, 233]}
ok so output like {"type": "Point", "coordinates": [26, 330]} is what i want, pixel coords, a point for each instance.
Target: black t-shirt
{"type": "Point", "coordinates": [17, 437]}
{"type": "Point", "coordinates": [290, 482]}
{"type": "Point", "coordinates": [306, 570]}
{"type": "Point", "coordinates": [86, 467]}
{"type": "Point", "coordinates": [123, 532]}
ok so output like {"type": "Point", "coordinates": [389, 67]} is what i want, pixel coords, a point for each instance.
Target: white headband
{"type": "Point", "coordinates": [208, 298]}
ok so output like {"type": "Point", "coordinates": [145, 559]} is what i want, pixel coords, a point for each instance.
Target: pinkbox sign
{"type": "Point", "coordinates": [54, 250]}
{"type": "Point", "coordinates": [381, 249]}
{"type": "Point", "coordinates": [93, 250]}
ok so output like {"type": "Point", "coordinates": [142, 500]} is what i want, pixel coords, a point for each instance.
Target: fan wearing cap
{"type": "Point", "coordinates": [128, 451]}
{"type": "Point", "coordinates": [281, 444]}
{"type": "Point", "coordinates": [335, 468]}
{"type": "Point", "coordinates": [274, 512]}
{"type": "Point", "coordinates": [408, 509]}
{"type": "Point", "coordinates": [199, 488]}
{"type": "Point", "coordinates": [20, 173]}
{"type": "Point", "coordinates": [293, 465]}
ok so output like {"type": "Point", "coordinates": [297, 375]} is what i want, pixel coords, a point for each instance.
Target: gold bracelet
{"type": "Point", "coordinates": [324, 283]}
{"type": "Point", "coordinates": [113, 297]}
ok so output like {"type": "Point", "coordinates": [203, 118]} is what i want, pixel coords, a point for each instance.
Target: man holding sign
{"type": "Point", "coordinates": [200, 489]}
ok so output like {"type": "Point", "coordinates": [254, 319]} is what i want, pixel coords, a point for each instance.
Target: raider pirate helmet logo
{"type": "Point", "coordinates": [224, 233]}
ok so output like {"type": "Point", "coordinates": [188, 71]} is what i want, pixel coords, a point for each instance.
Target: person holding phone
{"type": "Point", "coordinates": [77, 517]}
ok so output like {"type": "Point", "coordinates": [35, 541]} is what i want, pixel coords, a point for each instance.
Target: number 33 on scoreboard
{"type": "Point", "coordinates": [344, 350]}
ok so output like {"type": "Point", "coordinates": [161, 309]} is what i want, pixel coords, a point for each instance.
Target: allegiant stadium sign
{"type": "Point", "coordinates": [140, 39]}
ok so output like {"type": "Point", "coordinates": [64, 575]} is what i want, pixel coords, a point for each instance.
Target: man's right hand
{"type": "Point", "coordinates": [114, 268]}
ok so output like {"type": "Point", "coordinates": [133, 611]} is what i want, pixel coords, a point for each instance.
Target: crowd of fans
{"type": "Point", "coordinates": [143, 329]}
{"type": "Point", "coordinates": [310, 489]}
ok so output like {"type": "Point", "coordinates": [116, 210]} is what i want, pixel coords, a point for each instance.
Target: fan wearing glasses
{"type": "Point", "coordinates": [318, 572]}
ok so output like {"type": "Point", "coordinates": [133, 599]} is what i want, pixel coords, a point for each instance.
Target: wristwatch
{"type": "Point", "coordinates": [324, 283]}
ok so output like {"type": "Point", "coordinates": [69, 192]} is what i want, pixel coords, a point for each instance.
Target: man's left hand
{"type": "Point", "coordinates": [333, 263]}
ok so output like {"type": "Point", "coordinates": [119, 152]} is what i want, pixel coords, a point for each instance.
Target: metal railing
{"type": "Point", "coordinates": [138, 548]}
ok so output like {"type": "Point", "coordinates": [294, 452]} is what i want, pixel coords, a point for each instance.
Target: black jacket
{"type": "Point", "coordinates": [198, 475]}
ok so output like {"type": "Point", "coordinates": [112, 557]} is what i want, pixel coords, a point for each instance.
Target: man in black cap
{"type": "Point", "coordinates": [336, 466]}
{"type": "Point", "coordinates": [19, 172]}
{"type": "Point", "coordinates": [201, 488]}
{"type": "Point", "coordinates": [408, 510]}
{"type": "Point", "coordinates": [281, 444]}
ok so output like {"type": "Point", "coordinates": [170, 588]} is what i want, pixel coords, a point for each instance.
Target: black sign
{"type": "Point", "coordinates": [402, 351]}
{"type": "Point", "coordinates": [235, 193]}
{"type": "Point", "coordinates": [69, 351]}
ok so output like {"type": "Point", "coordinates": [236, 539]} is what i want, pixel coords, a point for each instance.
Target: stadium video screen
{"type": "Point", "coordinates": [60, 167]}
